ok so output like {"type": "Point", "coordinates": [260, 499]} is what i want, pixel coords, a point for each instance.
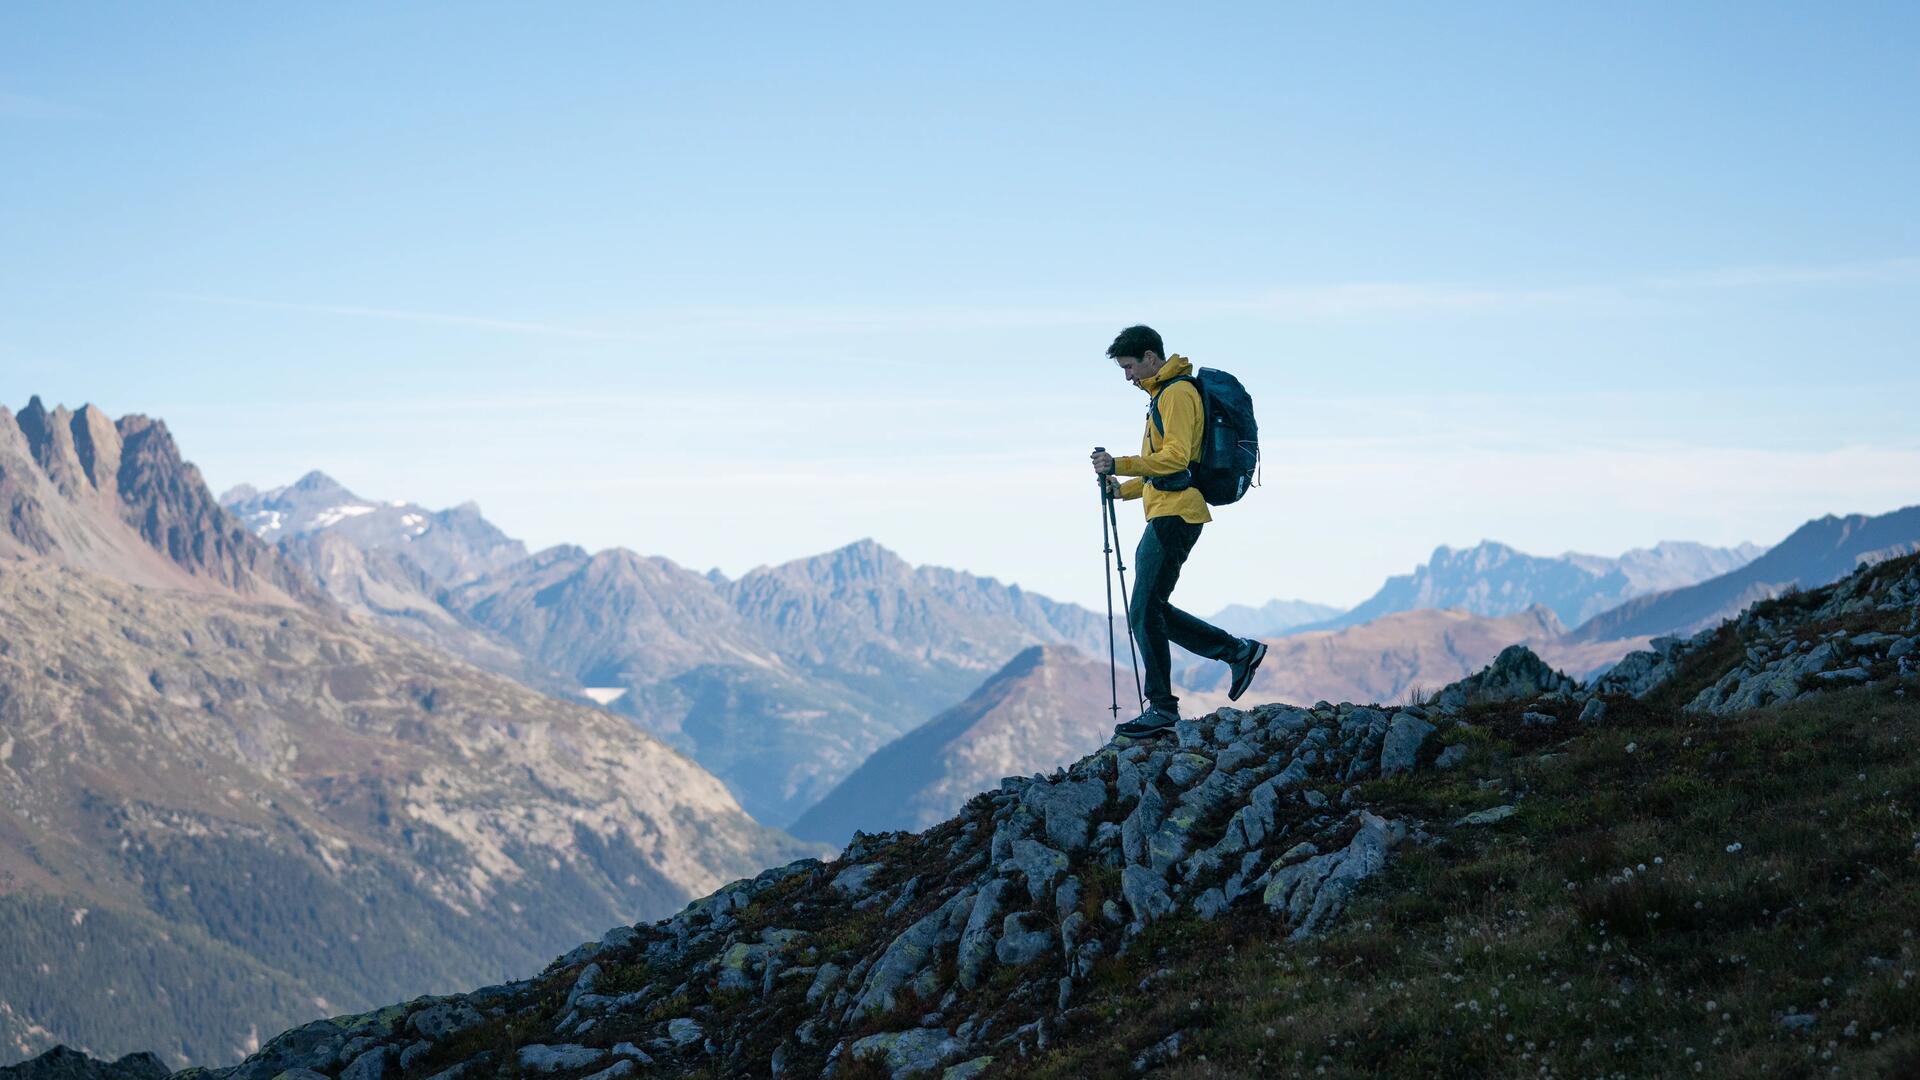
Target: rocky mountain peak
{"type": "Point", "coordinates": [108, 496]}
{"type": "Point", "coordinates": [50, 441]}
{"type": "Point", "coordinates": [1486, 553]}
{"type": "Point", "coordinates": [558, 553]}
{"type": "Point", "coordinates": [316, 482]}
{"type": "Point", "coordinates": [864, 560]}
{"type": "Point", "coordinates": [96, 441]}
{"type": "Point", "coordinates": [164, 498]}
{"type": "Point", "coordinates": [1515, 673]}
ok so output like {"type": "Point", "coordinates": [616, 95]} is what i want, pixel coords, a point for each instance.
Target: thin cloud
{"type": "Point", "coordinates": [1368, 299]}
{"type": "Point", "coordinates": [1774, 275]}
{"type": "Point", "coordinates": [436, 318]}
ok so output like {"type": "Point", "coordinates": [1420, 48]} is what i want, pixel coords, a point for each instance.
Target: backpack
{"type": "Point", "coordinates": [1229, 440]}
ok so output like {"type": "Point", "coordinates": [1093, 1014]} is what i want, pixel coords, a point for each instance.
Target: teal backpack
{"type": "Point", "coordinates": [1229, 442]}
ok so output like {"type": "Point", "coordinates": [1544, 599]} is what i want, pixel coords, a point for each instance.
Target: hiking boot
{"type": "Point", "coordinates": [1157, 720]}
{"type": "Point", "coordinates": [1251, 653]}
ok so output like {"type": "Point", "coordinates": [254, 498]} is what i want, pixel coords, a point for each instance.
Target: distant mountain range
{"type": "Point", "coordinates": [232, 805]}
{"type": "Point", "coordinates": [1272, 617]}
{"type": "Point", "coordinates": [1494, 580]}
{"type": "Point", "coordinates": [780, 682]}
{"type": "Point", "coordinates": [1818, 553]}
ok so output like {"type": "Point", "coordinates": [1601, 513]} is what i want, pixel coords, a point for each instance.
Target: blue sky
{"type": "Point", "coordinates": [737, 285]}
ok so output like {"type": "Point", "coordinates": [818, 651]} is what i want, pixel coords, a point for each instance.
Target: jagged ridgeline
{"type": "Point", "coordinates": [1636, 877]}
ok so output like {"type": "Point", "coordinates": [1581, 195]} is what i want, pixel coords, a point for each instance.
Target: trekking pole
{"type": "Point", "coordinates": [1106, 564]}
{"type": "Point", "coordinates": [1126, 605]}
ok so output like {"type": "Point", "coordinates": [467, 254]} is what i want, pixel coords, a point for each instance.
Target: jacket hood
{"type": "Point", "coordinates": [1175, 367]}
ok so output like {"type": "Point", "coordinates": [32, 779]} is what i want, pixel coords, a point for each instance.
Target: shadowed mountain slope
{"type": "Point", "coordinates": [1047, 707]}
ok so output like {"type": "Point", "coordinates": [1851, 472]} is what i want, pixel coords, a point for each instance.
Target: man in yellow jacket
{"type": "Point", "coordinates": [1175, 513]}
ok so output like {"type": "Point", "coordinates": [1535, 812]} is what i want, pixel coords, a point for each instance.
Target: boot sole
{"type": "Point", "coordinates": [1240, 685]}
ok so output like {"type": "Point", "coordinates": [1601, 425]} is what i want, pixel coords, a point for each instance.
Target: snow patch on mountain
{"type": "Point", "coordinates": [336, 514]}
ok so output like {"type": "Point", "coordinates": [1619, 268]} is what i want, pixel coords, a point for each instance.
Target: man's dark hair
{"type": "Point", "coordinates": [1135, 341]}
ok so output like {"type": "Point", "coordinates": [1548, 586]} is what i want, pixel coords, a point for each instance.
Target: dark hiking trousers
{"type": "Point", "coordinates": [1156, 563]}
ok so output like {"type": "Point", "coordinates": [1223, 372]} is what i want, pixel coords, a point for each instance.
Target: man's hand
{"type": "Point", "coordinates": [1113, 486]}
{"type": "Point", "coordinates": [1102, 463]}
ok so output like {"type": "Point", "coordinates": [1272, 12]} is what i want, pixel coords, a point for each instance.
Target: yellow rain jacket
{"type": "Point", "coordinates": [1185, 417]}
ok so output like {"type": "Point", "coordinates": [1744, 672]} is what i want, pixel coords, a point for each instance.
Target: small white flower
{"type": "Point", "coordinates": [1733, 847]}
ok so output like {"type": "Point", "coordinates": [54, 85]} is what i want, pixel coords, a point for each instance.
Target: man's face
{"type": "Point", "coordinates": [1138, 368]}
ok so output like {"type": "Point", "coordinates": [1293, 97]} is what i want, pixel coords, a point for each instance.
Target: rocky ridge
{"type": "Point", "coordinates": [1787, 648]}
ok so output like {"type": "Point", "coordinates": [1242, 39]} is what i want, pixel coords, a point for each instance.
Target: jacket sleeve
{"type": "Point", "coordinates": [1133, 488]}
{"type": "Point", "coordinates": [1180, 411]}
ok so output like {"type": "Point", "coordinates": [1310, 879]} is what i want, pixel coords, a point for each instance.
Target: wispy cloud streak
{"type": "Point", "coordinates": [1772, 276]}
{"type": "Point", "coordinates": [437, 318]}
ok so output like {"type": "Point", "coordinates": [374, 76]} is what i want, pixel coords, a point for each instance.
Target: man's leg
{"type": "Point", "coordinates": [1156, 566]}
{"type": "Point", "coordinates": [1201, 638]}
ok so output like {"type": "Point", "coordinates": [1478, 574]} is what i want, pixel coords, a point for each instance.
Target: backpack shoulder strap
{"type": "Point", "coordinates": [1153, 406]}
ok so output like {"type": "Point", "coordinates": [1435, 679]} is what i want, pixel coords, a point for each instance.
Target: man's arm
{"type": "Point", "coordinates": [1127, 489]}
{"type": "Point", "coordinates": [1180, 411]}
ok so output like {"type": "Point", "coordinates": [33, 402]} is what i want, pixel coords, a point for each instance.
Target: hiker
{"type": "Point", "coordinates": [1175, 513]}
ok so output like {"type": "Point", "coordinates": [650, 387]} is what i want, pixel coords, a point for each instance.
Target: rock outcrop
{"type": "Point", "coordinates": [65, 1063]}
{"type": "Point", "coordinates": [1787, 648]}
{"type": "Point", "coordinates": [1516, 673]}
